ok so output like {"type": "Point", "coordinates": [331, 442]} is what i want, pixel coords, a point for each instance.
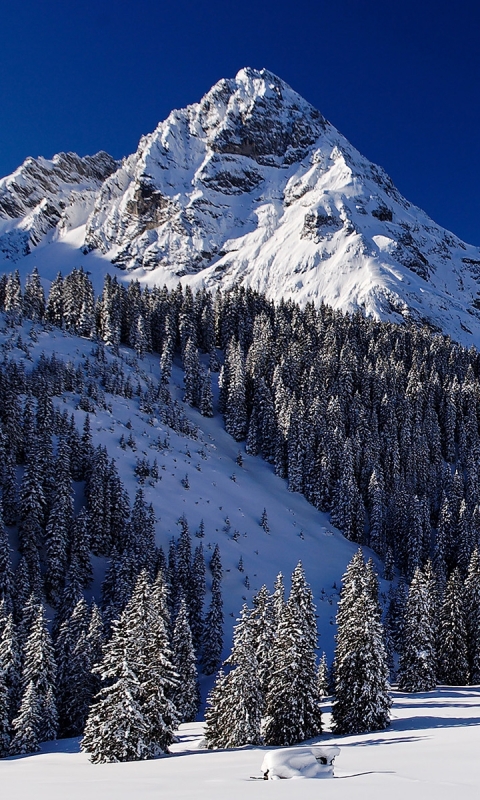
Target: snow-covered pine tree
{"type": "Point", "coordinates": [186, 696]}
{"type": "Point", "coordinates": [292, 709]}
{"type": "Point", "coordinates": [239, 697]}
{"type": "Point", "coordinates": [59, 525]}
{"type": "Point", "coordinates": [34, 297]}
{"type": "Point", "coordinates": [73, 671]}
{"type": "Point", "coordinates": [472, 616]}
{"type": "Point", "coordinates": [453, 654]}
{"type": "Point", "coordinates": [362, 702]}
{"type": "Point", "coordinates": [212, 643]}
{"type": "Point", "coordinates": [198, 597]}
{"type": "Point", "coordinates": [39, 669]}
{"type": "Point", "coordinates": [323, 681]}
{"type": "Point", "coordinates": [263, 629]}
{"type": "Point", "coordinates": [235, 405]}
{"type": "Point", "coordinates": [417, 671]}
{"type": "Point", "coordinates": [4, 716]}
{"type": "Point", "coordinates": [26, 725]}
{"type": "Point", "coordinates": [132, 716]}
{"type": "Point", "coordinates": [6, 572]}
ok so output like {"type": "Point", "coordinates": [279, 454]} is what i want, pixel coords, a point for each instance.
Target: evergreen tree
{"type": "Point", "coordinates": [10, 661]}
{"type": "Point", "coordinates": [186, 696]}
{"type": "Point", "coordinates": [361, 699]}
{"type": "Point", "coordinates": [39, 669]}
{"type": "Point", "coordinates": [212, 644]}
{"type": "Point", "coordinates": [453, 655]}
{"type": "Point", "coordinates": [73, 668]}
{"type": "Point", "coordinates": [34, 297]}
{"type": "Point", "coordinates": [4, 717]}
{"type": "Point", "coordinates": [292, 710]}
{"type": "Point", "coordinates": [27, 723]}
{"type": "Point", "coordinates": [6, 572]}
{"type": "Point", "coordinates": [132, 716]}
{"type": "Point", "coordinates": [323, 681]}
{"type": "Point", "coordinates": [263, 629]}
{"type": "Point", "coordinates": [472, 616]}
{"type": "Point", "coordinates": [417, 671]}
{"type": "Point", "coordinates": [198, 597]}
{"type": "Point", "coordinates": [240, 698]}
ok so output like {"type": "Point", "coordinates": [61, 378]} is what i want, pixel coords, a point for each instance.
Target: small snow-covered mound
{"type": "Point", "coordinates": [299, 762]}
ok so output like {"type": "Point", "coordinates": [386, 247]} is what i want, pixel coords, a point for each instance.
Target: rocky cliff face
{"type": "Point", "coordinates": [45, 195]}
{"type": "Point", "coordinates": [252, 185]}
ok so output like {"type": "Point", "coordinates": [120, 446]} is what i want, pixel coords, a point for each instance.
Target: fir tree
{"type": "Point", "coordinates": [292, 710]}
{"type": "Point", "coordinates": [39, 669]}
{"type": "Point", "coordinates": [472, 616]}
{"type": "Point", "coordinates": [417, 672]}
{"type": "Point", "coordinates": [27, 723]}
{"type": "Point", "coordinates": [132, 717]}
{"type": "Point", "coordinates": [323, 682]}
{"type": "Point", "coordinates": [186, 696]}
{"type": "Point", "coordinates": [453, 655]}
{"type": "Point", "coordinates": [361, 699]}
{"type": "Point", "coordinates": [212, 644]}
{"type": "Point", "coordinates": [240, 697]}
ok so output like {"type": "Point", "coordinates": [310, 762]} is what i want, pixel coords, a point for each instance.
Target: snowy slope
{"type": "Point", "coordinates": [253, 185]}
{"type": "Point", "coordinates": [429, 751]}
{"type": "Point", "coordinates": [297, 530]}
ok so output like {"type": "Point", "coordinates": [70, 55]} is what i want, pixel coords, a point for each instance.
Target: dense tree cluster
{"type": "Point", "coordinates": [270, 692]}
{"type": "Point", "coordinates": [376, 423]}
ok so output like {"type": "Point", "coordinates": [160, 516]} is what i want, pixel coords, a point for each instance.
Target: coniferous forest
{"type": "Point", "coordinates": [374, 423]}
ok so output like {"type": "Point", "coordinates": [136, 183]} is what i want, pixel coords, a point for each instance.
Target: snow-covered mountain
{"type": "Point", "coordinates": [44, 196]}
{"type": "Point", "coordinates": [252, 185]}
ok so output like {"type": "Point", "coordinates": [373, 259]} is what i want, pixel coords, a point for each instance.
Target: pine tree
{"type": "Point", "coordinates": [73, 668]}
{"type": "Point", "coordinates": [361, 699]}
{"type": "Point", "coordinates": [323, 681]}
{"type": "Point", "coordinates": [263, 629]}
{"type": "Point", "coordinates": [472, 616]}
{"type": "Point", "coordinates": [240, 694]}
{"type": "Point", "coordinates": [292, 710]}
{"type": "Point", "coordinates": [27, 723]}
{"type": "Point", "coordinates": [212, 644]}
{"type": "Point", "coordinates": [453, 655]}
{"type": "Point", "coordinates": [34, 297]}
{"type": "Point", "coordinates": [10, 661]}
{"type": "Point", "coordinates": [39, 669]}
{"type": "Point", "coordinates": [186, 696]}
{"type": "Point", "coordinates": [417, 672]}
{"type": "Point", "coordinates": [132, 716]}
{"type": "Point", "coordinates": [4, 717]}
{"type": "Point", "coordinates": [59, 525]}
{"type": "Point", "coordinates": [198, 597]}
{"type": "Point", "coordinates": [6, 572]}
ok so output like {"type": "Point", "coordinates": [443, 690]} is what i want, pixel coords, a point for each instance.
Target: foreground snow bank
{"type": "Point", "coordinates": [299, 762]}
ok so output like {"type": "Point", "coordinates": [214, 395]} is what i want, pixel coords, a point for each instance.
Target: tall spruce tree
{"type": "Point", "coordinates": [417, 672]}
{"type": "Point", "coordinates": [237, 721]}
{"type": "Point", "coordinates": [362, 702]}
{"type": "Point", "coordinates": [132, 717]}
{"type": "Point", "coordinates": [292, 709]}
{"type": "Point", "coordinates": [186, 696]}
{"type": "Point", "coordinates": [453, 655]}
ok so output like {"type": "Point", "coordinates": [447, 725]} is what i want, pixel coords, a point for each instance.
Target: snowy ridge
{"type": "Point", "coordinates": [44, 195]}
{"type": "Point", "coordinates": [252, 185]}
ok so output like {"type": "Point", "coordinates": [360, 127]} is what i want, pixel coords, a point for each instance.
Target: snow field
{"type": "Point", "coordinates": [430, 752]}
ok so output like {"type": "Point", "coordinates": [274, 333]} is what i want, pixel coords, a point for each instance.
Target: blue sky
{"type": "Point", "coordinates": [400, 79]}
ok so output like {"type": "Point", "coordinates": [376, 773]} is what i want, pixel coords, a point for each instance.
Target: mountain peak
{"type": "Point", "coordinates": [252, 185]}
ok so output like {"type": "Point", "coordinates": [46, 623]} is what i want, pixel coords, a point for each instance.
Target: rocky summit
{"type": "Point", "coordinates": [251, 185]}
